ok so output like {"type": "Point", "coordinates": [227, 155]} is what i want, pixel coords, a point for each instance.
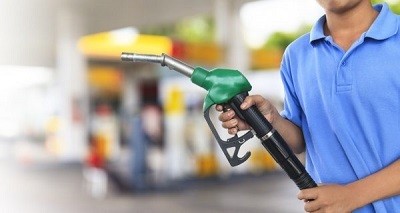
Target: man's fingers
{"type": "Point", "coordinates": [307, 194]}
{"type": "Point", "coordinates": [226, 116]}
{"type": "Point", "coordinates": [230, 124]}
{"type": "Point", "coordinates": [252, 100]}
{"type": "Point", "coordinates": [233, 130]}
{"type": "Point", "coordinates": [312, 206]}
{"type": "Point", "coordinates": [248, 102]}
{"type": "Point", "coordinates": [228, 120]}
{"type": "Point", "coordinates": [219, 107]}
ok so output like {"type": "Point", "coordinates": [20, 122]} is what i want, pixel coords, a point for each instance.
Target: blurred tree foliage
{"type": "Point", "coordinates": [197, 29]}
{"type": "Point", "coordinates": [280, 40]}
{"type": "Point", "coordinates": [394, 5]}
{"type": "Point", "coordinates": [201, 29]}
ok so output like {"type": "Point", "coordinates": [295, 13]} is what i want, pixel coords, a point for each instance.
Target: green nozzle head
{"type": "Point", "coordinates": [222, 84]}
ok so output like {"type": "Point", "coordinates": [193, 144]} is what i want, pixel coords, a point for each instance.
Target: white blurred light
{"type": "Point", "coordinates": [262, 18]}
{"type": "Point", "coordinates": [17, 85]}
{"type": "Point", "coordinates": [124, 35]}
{"type": "Point", "coordinates": [18, 77]}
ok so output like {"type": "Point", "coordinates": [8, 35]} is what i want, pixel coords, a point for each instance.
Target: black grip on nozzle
{"type": "Point", "coordinates": [273, 142]}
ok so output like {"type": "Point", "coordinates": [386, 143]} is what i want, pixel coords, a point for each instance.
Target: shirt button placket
{"type": "Point", "coordinates": [344, 76]}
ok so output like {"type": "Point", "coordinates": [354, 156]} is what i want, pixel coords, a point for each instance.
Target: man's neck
{"type": "Point", "coordinates": [346, 27]}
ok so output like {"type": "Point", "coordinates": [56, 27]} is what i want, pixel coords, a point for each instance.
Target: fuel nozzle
{"type": "Point", "coordinates": [230, 87]}
{"type": "Point", "coordinates": [162, 59]}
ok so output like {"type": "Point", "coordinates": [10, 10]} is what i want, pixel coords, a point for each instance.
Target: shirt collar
{"type": "Point", "coordinates": [384, 26]}
{"type": "Point", "coordinates": [317, 32]}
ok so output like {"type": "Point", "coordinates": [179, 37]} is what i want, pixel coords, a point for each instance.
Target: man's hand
{"type": "Point", "coordinates": [234, 124]}
{"type": "Point", "coordinates": [327, 198]}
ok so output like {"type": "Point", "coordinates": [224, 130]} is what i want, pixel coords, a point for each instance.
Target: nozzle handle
{"type": "Point", "coordinates": [273, 143]}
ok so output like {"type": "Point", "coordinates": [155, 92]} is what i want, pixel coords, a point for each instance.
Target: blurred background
{"type": "Point", "coordinates": [80, 131]}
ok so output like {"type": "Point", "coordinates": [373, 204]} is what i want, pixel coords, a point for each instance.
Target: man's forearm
{"type": "Point", "coordinates": [382, 184]}
{"type": "Point", "coordinates": [291, 133]}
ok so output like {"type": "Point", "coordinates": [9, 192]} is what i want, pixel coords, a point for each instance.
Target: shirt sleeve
{"type": "Point", "coordinates": [291, 110]}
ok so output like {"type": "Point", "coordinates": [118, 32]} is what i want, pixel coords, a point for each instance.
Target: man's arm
{"type": "Point", "coordinates": [383, 184]}
{"type": "Point", "coordinates": [291, 133]}
{"type": "Point", "coordinates": [336, 198]}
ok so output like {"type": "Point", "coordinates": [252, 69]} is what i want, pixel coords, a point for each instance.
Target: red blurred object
{"type": "Point", "coordinates": [95, 160]}
{"type": "Point", "coordinates": [178, 49]}
{"type": "Point", "coordinates": [96, 157]}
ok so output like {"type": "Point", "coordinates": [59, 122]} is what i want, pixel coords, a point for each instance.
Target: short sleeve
{"type": "Point", "coordinates": [291, 110]}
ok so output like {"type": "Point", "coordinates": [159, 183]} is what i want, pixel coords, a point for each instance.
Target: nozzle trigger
{"type": "Point", "coordinates": [234, 142]}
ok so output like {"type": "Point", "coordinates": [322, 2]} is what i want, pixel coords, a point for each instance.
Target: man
{"type": "Point", "coordinates": [342, 106]}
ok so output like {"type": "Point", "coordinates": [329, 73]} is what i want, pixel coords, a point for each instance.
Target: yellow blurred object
{"type": "Point", "coordinates": [102, 145]}
{"type": "Point", "coordinates": [260, 161]}
{"type": "Point", "coordinates": [206, 165]}
{"type": "Point", "coordinates": [104, 132]}
{"type": "Point", "coordinates": [53, 124]}
{"type": "Point", "coordinates": [174, 102]}
{"type": "Point", "coordinates": [204, 53]}
{"type": "Point", "coordinates": [105, 78]}
{"type": "Point", "coordinates": [107, 45]}
{"type": "Point", "coordinates": [52, 141]}
{"type": "Point", "coordinates": [266, 59]}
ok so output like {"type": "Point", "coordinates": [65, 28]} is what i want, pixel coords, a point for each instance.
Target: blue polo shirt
{"type": "Point", "coordinates": [347, 102]}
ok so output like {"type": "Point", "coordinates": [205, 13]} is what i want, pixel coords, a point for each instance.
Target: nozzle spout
{"type": "Point", "coordinates": [141, 58]}
{"type": "Point", "coordinates": [164, 60]}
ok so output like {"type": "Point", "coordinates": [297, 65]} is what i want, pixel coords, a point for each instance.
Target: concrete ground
{"type": "Point", "coordinates": [60, 188]}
